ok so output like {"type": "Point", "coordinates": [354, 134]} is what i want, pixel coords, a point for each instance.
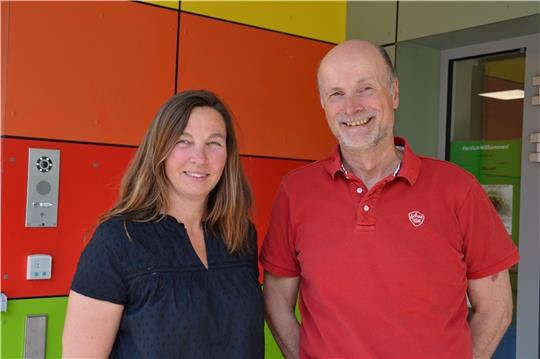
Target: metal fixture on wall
{"type": "Point", "coordinates": [42, 187]}
{"type": "Point", "coordinates": [535, 156]}
{"type": "Point", "coordinates": [536, 98]}
{"type": "Point", "coordinates": [35, 335]}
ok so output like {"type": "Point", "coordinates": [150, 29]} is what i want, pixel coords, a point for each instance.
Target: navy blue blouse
{"type": "Point", "coordinates": [173, 306]}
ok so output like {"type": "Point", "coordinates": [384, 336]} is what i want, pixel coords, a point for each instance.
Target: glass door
{"type": "Point", "coordinates": [487, 120]}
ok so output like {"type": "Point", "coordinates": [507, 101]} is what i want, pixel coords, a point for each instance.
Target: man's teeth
{"type": "Point", "coordinates": [359, 122]}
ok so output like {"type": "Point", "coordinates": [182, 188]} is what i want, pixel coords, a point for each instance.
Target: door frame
{"type": "Point", "coordinates": [528, 295]}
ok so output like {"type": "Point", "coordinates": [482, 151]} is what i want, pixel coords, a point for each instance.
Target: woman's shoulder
{"type": "Point", "coordinates": [111, 232]}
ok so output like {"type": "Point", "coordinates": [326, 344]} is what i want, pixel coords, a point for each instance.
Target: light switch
{"type": "Point", "coordinates": [38, 266]}
{"type": "Point", "coordinates": [3, 303]}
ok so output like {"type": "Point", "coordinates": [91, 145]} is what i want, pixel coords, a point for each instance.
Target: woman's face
{"type": "Point", "coordinates": [196, 161]}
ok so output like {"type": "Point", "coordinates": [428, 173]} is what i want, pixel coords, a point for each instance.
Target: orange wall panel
{"type": "Point", "coordinates": [89, 183]}
{"type": "Point", "coordinates": [4, 10]}
{"type": "Point", "coordinates": [88, 71]}
{"type": "Point", "coordinates": [268, 79]}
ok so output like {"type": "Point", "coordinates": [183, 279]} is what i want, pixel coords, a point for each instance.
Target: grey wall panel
{"type": "Point", "coordinates": [372, 20]}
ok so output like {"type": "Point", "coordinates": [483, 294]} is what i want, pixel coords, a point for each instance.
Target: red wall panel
{"type": "Point", "coordinates": [265, 175]}
{"type": "Point", "coordinates": [88, 71]}
{"type": "Point", "coordinates": [268, 79]}
{"type": "Point", "coordinates": [89, 182]}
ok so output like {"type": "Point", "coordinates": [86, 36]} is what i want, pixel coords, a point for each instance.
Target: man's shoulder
{"type": "Point", "coordinates": [311, 171]}
{"type": "Point", "coordinates": [444, 170]}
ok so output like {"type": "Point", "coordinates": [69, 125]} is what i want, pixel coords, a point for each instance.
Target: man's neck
{"type": "Point", "coordinates": [373, 164]}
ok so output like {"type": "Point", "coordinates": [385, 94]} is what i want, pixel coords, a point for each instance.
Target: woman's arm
{"type": "Point", "coordinates": [90, 327]}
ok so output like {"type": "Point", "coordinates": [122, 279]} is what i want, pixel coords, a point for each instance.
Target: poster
{"type": "Point", "coordinates": [500, 196]}
{"type": "Point", "coordinates": [497, 166]}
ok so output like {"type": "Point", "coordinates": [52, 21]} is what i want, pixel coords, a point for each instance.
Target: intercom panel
{"type": "Point", "coordinates": [42, 187]}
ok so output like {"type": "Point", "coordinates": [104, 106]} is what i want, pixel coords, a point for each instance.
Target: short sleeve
{"type": "Point", "coordinates": [278, 255]}
{"type": "Point", "coordinates": [487, 247]}
{"type": "Point", "coordinates": [98, 273]}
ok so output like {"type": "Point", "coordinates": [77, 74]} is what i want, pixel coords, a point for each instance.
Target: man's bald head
{"type": "Point", "coordinates": [358, 48]}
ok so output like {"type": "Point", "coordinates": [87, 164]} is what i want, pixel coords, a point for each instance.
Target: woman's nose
{"type": "Point", "coordinates": [198, 155]}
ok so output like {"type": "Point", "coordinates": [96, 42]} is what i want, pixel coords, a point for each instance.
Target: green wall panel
{"type": "Point", "coordinates": [391, 51]}
{"type": "Point", "coordinates": [13, 325]}
{"type": "Point", "coordinates": [417, 116]}
{"type": "Point", "coordinates": [372, 20]}
{"type": "Point", "coordinates": [424, 18]}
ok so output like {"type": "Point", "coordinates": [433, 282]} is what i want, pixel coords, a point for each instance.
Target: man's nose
{"type": "Point", "coordinates": [352, 105]}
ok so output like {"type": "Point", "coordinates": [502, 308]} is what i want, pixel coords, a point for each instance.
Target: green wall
{"type": "Point", "coordinates": [417, 117]}
{"type": "Point", "coordinates": [13, 325]}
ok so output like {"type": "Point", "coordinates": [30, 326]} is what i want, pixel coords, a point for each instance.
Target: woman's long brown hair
{"type": "Point", "coordinates": [144, 187]}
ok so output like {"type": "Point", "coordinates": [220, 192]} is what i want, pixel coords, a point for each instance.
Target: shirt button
{"type": "Point", "coordinates": [359, 190]}
{"type": "Point", "coordinates": [366, 208]}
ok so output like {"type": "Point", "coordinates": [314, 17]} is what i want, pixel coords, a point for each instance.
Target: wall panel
{"type": "Point", "coordinates": [322, 20]}
{"type": "Point", "coordinates": [418, 69]}
{"type": "Point", "coordinates": [171, 4]}
{"type": "Point", "coordinates": [267, 79]}
{"type": "Point", "coordinates": [424, 18]}
{"type": "Point", "coordinates": [264, 175]}
{"type": "Point", "coordinates": [4, 14]}
{"type": "Point", "coordinates": [374, 21]}
{"type": "Point", "coordinates": [87, 70]}
{"type": "Point", "coordinates": [13, 325]}
{"type": "Point", "coordinates": [89, 182]}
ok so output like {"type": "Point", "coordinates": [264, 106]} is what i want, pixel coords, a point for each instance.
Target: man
{"type": "Point", "coordinates": [383, 245]}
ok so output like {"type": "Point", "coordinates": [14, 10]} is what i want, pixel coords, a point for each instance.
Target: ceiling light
{"type": "Point", "coordinates": [504, 95]}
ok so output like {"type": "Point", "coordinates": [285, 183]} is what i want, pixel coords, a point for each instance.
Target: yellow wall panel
{"type": "Point", "coordinates": [424, 18]}
{"type": "Point", "coordinates": [507, 69]}
{"type": "Point", "coordinates": [372, 20]}
{"type": "Point", "coordinates": [322, 20]}
{"type": "Point", "coordinates": [171, 4]}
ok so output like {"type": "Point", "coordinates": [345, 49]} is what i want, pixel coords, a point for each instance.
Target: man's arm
{"type": "Point", "coordinates": [280, 295]}
{"type": "Point", "coordinates": [491, 299]}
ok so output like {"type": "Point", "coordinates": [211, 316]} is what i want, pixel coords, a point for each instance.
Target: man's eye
{"type": "Point", "coordinates": [335, 94]}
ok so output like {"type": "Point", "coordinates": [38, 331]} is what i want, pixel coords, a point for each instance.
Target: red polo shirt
{"type": "Point", "coordinates": [383, 273]}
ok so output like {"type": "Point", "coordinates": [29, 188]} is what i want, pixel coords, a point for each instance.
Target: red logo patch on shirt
{"type": "Point", "coordinates": [416, 218]}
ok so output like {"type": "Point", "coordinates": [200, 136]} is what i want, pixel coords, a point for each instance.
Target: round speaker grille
{"type": "Point", "coordinates": [44, 164]}
{"type": "Point", "coordinates": [43, 187]}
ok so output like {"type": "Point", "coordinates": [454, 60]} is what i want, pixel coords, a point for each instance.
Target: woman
{"type": "Point", "coordinates": [171, 271]}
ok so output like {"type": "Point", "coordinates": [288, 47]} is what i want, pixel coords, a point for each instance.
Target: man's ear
{"type": "Point", "coordinates": [395, 93]}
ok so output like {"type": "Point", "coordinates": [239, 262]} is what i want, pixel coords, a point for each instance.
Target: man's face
{"type": "Point", "coordinates": [357, 97]}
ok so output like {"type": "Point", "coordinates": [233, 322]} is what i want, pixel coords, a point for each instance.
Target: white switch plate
{"type": "Point", "coordinates": [38, 266]}
{"type": "Point", "coordinates": [3, 303]}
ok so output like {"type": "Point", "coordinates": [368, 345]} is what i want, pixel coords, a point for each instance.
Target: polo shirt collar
{"type": "Point", "coordinates": [410, 163]}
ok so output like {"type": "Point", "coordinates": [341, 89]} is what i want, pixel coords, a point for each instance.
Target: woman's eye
{"type": "Point", "coordinates": [215, 143]}
{"type": "Point", "coordinates": [183, 142]}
